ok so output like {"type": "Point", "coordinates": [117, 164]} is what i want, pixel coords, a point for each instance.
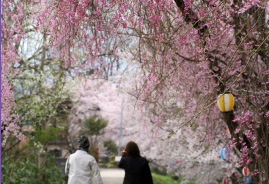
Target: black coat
{"type": "Point", "coordinates": [136, 170]}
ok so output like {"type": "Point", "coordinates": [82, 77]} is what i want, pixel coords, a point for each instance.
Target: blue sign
{"type": "Point", "coordinates": [247, 180]}
{"type": "Point", "coordinates": [223, 153]}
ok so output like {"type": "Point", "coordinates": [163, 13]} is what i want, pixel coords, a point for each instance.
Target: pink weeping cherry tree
{"type": "Point", "coordinates": [188, 52]}
{"type": "Point", "coordinates": [192, 51]}
{"type": "Point", "coordinates": [12, 20]}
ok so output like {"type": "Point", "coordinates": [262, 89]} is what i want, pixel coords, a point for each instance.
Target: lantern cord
{"type": "Point", "coordinates": [244, 90]}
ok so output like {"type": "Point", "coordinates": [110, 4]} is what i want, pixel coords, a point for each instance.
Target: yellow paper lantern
{"type": "Point", "coordinates": [225, 102]}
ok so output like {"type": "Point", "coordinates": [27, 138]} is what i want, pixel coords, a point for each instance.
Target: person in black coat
{"type": "Point", "coordinates": [136, 167]}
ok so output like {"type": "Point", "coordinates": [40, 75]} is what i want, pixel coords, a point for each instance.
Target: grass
{"type": "Point", "coordinates": [162, 179]}
{"type": "Point", "coordinates": [165, 179]}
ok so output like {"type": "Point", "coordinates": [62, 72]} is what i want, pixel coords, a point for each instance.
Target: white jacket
{"type": "Point", "coordinates": [81, 167]}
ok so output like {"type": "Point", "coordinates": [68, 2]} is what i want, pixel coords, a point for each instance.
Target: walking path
{"type": "Point", "coordinates": [112, 176]}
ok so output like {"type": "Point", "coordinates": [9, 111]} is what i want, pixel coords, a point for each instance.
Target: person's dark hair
{"type": "Point", "coordinates": [132, 149]}
{"type": "Point", "coordinates": [83, 142]}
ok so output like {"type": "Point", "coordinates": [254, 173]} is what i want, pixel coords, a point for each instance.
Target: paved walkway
{"type": "Point", "coordinates": [112, 176]}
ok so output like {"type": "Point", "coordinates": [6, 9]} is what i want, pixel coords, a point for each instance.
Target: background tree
{"type": "Point", "coordinates": [111, 147]}
{"type": "Point", "coordinates": [93, 127]}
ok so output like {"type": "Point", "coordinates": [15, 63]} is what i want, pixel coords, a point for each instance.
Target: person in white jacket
{"type": "Point", "coordinates": [81, 167]}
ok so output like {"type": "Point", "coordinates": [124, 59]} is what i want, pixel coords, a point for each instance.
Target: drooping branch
{"type": "Point", "coordinates": [191, 17]}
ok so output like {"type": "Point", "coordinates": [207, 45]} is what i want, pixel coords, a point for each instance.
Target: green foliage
{"type": "Point", "coordinates": [45, 135]}
{"type": "Point", "coordinates": [25, 171]}
{"type": "Point", "coordinates": [93, 125]}
{"type": "Point", "coordinates": [19, 171]}
{"type": "Point", "coordinates": [111, 162]}
{"type": "Point", "coordinates": [111, 146]}
{"type": "Point", "coordinates": [50, 173]}
{"type": "Point", "coordinates": [158, 171]}
{"type": "Point", "coordinates": [159, 177]}
{"type": "Point", "coordinates": [163, 179]}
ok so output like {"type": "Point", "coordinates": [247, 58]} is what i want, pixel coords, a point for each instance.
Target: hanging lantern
{"type": "Point", "coordinates": [247, 180]}
{"type": "Point", "coordinates": [223, 153]}
{"type": "Point", "coordinates": [226, 181]}
{"type": "Point", "coordinates": [245, 171]}
{"type": "Point", "coordinates": [202, 173]}
{"type": "Point", "coordinates": [225, 102]}
{"type": "Point", "coordinates": [172, 163]}
{"type": "Point", "coordinates": [178, 160]}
